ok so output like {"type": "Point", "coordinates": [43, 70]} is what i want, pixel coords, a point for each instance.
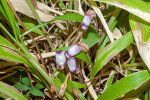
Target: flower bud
{"type": "Point", "coordinates": [63, 86]}
{"type": "Point", "coordinates": [89, 15]}
{"type": "Point", "coordinates": [72, 51]}
{"type": "Point", "coordinates": [60, 58]}
{"type": "Point", "coordinates": [72, 64]}
{"type": "Point", "coordinates": [86, 22]}
{"type": "Point", "coordinates": [52, 88]}
{"type": "Point", "coordinates": [62, 89]}
{"type": "Point", "coordinates": [75, 92]}
{"type": "Point", "coordinates": [83, 46]}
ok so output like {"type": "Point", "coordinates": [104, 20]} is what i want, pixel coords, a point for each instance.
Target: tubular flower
{"type": "Point", "coordinates": [60, 58]}
{"type": "Point", "coordinates": [72, 64]}
{"type": "Point", "coordinates": [72, 51]}
{"type": "Point", "coordinates": [86, 22]}
{"type": "Point", "coordinates": [89, 15]}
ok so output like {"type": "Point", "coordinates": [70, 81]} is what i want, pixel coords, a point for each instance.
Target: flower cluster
{"type": "Point", "coordinates": [70, 53]}
{"type": "Point", "coordinates": [77, 48]}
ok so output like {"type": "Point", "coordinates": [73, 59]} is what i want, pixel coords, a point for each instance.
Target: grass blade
{"type": "Point", "coordinates": [125, 85]}
{"type": "Point", "coordinates": [139, 8]}
{"type": "Point", "coordinates": [8, 90]}
{"type": "Point", "coordinates": [110, 51]}
{"type": "Point", "coordinates": [110, 80]}
{"type": "Point", "coordinates": [140, 30]}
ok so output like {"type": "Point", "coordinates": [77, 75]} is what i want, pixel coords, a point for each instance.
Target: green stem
{"type": "Point", "coordinates": [112, 27]}
{"type": "Point", "coordinates": [39, 21]}
{"type": "Point", "coordinates": [101, 39]}
{"type": "Point", "coordinates": [82, 2]}
{"type": "Point", "coordinates": [134, 64]}
{"type": "Point", "coordinates": [1, 25]}
{"type": "Point", "coordinates": [107, 38]}
{"type": "Point", "coordinates": [42, 1]}
{"type": "Point", "coordinates": [71, 4]}
{"type": "Point", "coordinates": [76, 4]}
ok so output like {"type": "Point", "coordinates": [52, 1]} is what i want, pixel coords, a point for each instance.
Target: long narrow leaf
{"type": "Point", "coordinates": [11, 19]}
{"type": "Point", "coordinates": [125, 85]}
{"type": "Point", "coordinates": [110, 51]}
{"type": "Point", "coordinates": [109, 81]}
{"type": "Point", "coordinates": [139, 8]}
{"type": "Point", "coordinates": [5, 42]}
{"type": "Point", "coordinates": [141, 30]}
{"type": "Point", "coordinates": [5, 53]}
{"type": "Point", "coordinates": [6, 89]}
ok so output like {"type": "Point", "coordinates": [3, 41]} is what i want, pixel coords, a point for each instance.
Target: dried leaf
{"type": "Point", "coordinates": [91, 89]}
{"type": "Point", "coordinates": [138, 32]}
{"type": "Point", "coordinates": [63, 86]}
{"type": "Point", "coordinates": [139, 8]}
{"type": "Point", "coordinates": [117, 33]}
{"type": "Point", "coordinates": [23, 7]}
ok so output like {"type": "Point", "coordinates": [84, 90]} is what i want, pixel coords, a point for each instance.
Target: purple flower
{"type": "Point", "coordinates": [72, 64]}
{"type": "Point", "coordinates": [60, 58]}
{"type": "Point", "coordinates": [89, 15]}
{"type": "Point", "coordinates": [86, 22]}
{"type": "Point", "coordinates": [67, 54]}
{"type": "Point", "coordinates": [72, 51]}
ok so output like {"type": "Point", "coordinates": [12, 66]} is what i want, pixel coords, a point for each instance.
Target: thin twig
{"type": "Point", "coordinates": [69, 37]}
{"type": "Point", "coordinates": [20, 83]}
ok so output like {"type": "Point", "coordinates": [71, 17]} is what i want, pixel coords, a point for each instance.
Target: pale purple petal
{"type": "Point", "coordinates": [58, 52]}
{"type": "Point", "coordinates": [73, 50]}
{"type": "Point", "coordinates": [72, 64]}
{"type": "Point", "coordinates": [86, 22]}
{"type": "Point", "coordinates": [60, 58]}
{"type": "Point", "coordinates": [67, 54]}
